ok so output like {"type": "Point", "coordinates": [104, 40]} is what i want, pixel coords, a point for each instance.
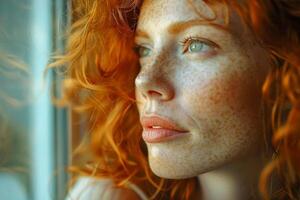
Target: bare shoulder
{"type": "Point", "coordinates": [94, 189]}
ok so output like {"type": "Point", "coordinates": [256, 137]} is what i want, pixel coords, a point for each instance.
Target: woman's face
{"type": "Point", "coordinates": [205, 79]}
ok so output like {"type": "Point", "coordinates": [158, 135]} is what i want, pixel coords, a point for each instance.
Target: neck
{"type": "Point", "coordinates": [235, 181]}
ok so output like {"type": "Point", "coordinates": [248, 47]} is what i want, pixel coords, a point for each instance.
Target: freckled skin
{"type": "Point", "coordinates": [216, 98]}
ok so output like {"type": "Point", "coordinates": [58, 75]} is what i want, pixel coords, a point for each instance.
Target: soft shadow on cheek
{"type": "Point", "coordinates": [223, 92]}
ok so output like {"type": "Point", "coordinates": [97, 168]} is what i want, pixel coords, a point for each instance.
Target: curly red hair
{"type": "Point", "coordinates": [100, 83]}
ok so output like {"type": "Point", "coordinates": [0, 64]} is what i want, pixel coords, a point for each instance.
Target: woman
{"type": "Point", "coordinates": [207, 107]}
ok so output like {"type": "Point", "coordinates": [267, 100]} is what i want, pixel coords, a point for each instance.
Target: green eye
{"type": "Point", "coordinates": [143, 51]}
{"type": "Point", "coordinates": [198, 45]}
{"type": "Point", "coordinates": [195, 46]}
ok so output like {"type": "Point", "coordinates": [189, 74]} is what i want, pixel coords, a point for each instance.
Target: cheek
{"type": "Point", "coordinates": [219, 93]}
{"type": "Point", "coordinates": [225, 105]}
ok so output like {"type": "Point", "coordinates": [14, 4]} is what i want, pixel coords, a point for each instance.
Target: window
{"type": "Point", "coordinates": [33, 133]}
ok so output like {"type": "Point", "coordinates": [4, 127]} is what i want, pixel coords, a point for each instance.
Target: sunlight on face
{"type": "Point", "coordinates": [204, 78]}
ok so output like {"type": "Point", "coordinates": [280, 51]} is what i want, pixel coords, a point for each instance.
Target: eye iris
{"type": "Point", "coordinates": [144, 51]}
{"type": "Point", "coordinates": [195, 46]}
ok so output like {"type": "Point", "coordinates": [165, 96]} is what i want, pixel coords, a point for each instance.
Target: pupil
{"type": "Point", "coordinates": [144, 51]}
{"type": "Point", "coordinates": [196, 46]}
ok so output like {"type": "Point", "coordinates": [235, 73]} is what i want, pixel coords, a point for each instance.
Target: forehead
{"type": "Point", "coordinates": [178, 10]}
{"type": "Point", "coordinates": [156, 14]}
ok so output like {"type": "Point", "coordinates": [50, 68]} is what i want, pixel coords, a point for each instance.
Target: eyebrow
{"type": "Point", "coordinates": [180, 26]}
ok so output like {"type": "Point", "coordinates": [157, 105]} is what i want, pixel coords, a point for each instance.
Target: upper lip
{"type": "Point", "coordinates": [163, 122]}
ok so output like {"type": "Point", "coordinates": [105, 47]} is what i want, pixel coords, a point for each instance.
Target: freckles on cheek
{"type": "Point", "coordinates": [223, 92]}
{"type": "Point", "coordinates": [243, 93]}
{"type": "Point", "coordinates": [210, 97]}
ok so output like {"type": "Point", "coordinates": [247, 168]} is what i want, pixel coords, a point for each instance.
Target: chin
{"type": "Point", "coordinates": [172, 175]}
{"type": "Point", "coordinates": [174, 171]}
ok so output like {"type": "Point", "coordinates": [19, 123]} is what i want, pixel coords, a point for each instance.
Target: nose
{"type": "Point", "coordinates": [154, 86]}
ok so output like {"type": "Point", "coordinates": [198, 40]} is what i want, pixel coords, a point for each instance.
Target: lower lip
{"type": "Point", "coordinates": [152, 135]}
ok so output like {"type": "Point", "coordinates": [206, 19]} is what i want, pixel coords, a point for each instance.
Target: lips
{"type": "Point", "coordinates": [160, 129]}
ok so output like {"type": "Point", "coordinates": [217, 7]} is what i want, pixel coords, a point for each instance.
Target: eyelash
{"type": "Point", "coordinates": [188, 40]}
{"type": "Point", "coordinates": [137, 49]}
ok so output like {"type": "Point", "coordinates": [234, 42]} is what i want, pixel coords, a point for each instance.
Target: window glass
{"type": "Point", "coordinates": [33, 132]}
